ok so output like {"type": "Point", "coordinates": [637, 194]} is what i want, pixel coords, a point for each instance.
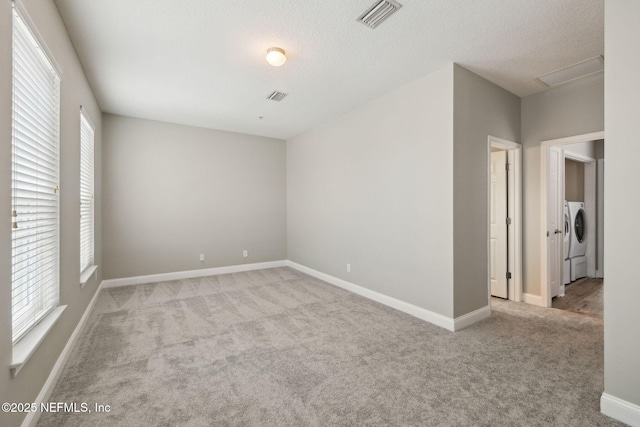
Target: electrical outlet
{"type": "Point", "coordinates": [245, 253]}
{"type": "Point", "coordinates": [201, 257]}
{"type": "Point", "coordinates": [348, 268]}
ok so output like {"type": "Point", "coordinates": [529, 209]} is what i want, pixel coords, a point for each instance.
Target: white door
{"type": "Point", "coordinates": [498, 221]}
{"type": "Point", "coordinates": [555, 220]}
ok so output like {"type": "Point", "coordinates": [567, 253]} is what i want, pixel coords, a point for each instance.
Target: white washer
{"type": "Point", "coordinates": [578, 245]}
{"type": "Point", "coordinates": [567, 244]}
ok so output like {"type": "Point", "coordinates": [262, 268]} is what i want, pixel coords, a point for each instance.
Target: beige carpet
{"type": "Point", "coordinates": [278, 348]}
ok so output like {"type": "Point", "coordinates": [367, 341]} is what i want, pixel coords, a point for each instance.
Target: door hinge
{"type": "Point", "coordinates": [508, 221]}
{"type": "Point", "coordinates": [508, 275]}
{"type": "Point", "coordinates": [507, 166]}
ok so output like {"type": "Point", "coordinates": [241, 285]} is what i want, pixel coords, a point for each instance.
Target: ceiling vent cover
{"type": "Point", "coordinates": [573, 72]}
{"type": "Point", "coordinates": [277, 96]}
{"type": "Point", "coordinates": [377, 13]}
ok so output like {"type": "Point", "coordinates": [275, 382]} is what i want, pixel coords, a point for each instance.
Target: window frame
{"type": "Point", "coordinates": [87, 192]}
{"type": "Point", "coordinates": [35, 185]}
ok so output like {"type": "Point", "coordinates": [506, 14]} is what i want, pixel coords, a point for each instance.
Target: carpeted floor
{"type": "Point", "coordinates": [279, 348]}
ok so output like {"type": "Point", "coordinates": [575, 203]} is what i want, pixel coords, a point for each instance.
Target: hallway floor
{"type": "Point", "coordinates": [584, 296]}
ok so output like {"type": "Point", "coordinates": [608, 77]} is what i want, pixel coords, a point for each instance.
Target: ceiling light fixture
{"type": "Point", "coordinates": [276, 56]}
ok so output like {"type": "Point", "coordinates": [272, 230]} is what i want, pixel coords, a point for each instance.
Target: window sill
{"type": "Point", "coordinates": [86, 275]}
{"type": "Point", "coordinates": [27, 345]}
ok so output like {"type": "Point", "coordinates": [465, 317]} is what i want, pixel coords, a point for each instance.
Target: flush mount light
{"type": "Point", "coordinates": [276, 56]}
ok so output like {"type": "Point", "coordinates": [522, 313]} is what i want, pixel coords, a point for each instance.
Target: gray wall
{"type": "Point", "coordinates": [375, 193]}
{"type": "Point", "coordinates": [374, 188]}
{"type": "Point", "coordinates": [75, 91]}
{"type": "Point", "coordinates": [587, 148]}
{"type": "Point", "coordinates": [573, 181]}
{"type": "Point", "coordinates": [480, 109]}
{"type": "Point", "coordinates": [622, 150]}
{"type": "Point", "coordinates": [599, 149]}
{"type": "Point", "coordinates": [573, 109]}
{"type": "Point", "coordinates": [172, 192]}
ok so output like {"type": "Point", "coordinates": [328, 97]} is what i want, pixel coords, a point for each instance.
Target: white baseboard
{"type": "Point", "coordinates": [533, 299]}
{"type": "Point", "coordinates": [165, 277]}
{"type": "Point", "coordinates": [619, 409]}
{"type": "Point", "coordinates": [32, 417]}
{"type": "Point", "coordinates": [419, 312]}
{"type": "Point", "coordinates": [471, 318]}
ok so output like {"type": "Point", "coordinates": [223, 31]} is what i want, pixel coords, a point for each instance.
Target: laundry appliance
{"type": "Point", "coordinates": [578, 240]}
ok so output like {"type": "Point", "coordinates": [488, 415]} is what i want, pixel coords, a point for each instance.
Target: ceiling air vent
{"type": "Point", "coordinates": [277, 96]}
{"type": "Point", "coordinates": [573, 72]}
{"type": "Point", "coordinates": [377, 13]}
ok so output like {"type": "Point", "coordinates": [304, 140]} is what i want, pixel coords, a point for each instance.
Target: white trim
{"type": "Point", "coordinates": [405, 307]}
{"type": "Point", "coordinates": [87, 117]}
{"type": "Point", "coordinates": [87, 196]}
{"type": "Point", "coordinates": [471, 318]}
{"type": "Point", "coordinates": [24, 15]}
{"type": "Point", "coordinates": [574, 139]}
{"type": "Point", "coordinates": [504, 144]}
{"type": "Point", "coordinates": [86, 274]}
{"type": "Point", "coordinates": [578, 157]}
{"type": "Point", "coordinates": [545, 146]}
{"type": "Point", "coordinates": [26, 346]}
{"type": "Point", "coordinates": [165, 277]}
{"type": "Point", "coordinates": [514, 151]}
{"type": "Point", "coordinates": [32, 417]}
{"type": "Point", "coordinates": [619, 409]}
{"type": "Point", "coordinates": [600, 165]}
{"type": "Point", "coordinates": [533, 299]}
{"type": "Point", "coordinates": [590, 196]}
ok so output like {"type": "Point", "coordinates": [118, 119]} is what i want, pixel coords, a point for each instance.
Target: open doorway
{"type": "Point", "coordinates": [572, 215]}
{"type": "Point", "coordinates": [505, 219]}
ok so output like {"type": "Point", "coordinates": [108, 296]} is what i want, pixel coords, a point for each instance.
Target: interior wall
{"type": "Point", "coordinates": [480, 109]}
{"type": "Point", "coordinates": [572, 109]}
{"type": "Point", "coordinates": [622, 292]}
{"type": "Point", "coordinates": [373, 188]}
{"type": "Point", "coordinates": [573, 180]}
{"type": "Point", "coordinates": [174, 192]}
{"type": "Point", "coordinates": [74, 91]}
{"type": "Point", "coordinates": [586, 149]}
{"type": "Point", "coordinates": [599, 149]}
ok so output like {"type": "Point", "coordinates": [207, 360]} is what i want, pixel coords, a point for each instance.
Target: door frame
{"type": "Point", "coordinates": [545, 290]}
{"type": "Point", "coordinates": [514, 210]}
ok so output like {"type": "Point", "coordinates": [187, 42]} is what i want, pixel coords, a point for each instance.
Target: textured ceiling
{"type": "Point", "coordinates": [201, 62]}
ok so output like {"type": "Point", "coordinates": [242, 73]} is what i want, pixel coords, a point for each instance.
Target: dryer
{"type": "Point", "coordinates": [567, 244]}
{"type": "Point", "coordinates": [578, 240]}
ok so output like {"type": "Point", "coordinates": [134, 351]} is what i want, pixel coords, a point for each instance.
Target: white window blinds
{"type": "Point", "coordinates": [86, 191]}
{"type": "Point", "coordinates": [35, 211]}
